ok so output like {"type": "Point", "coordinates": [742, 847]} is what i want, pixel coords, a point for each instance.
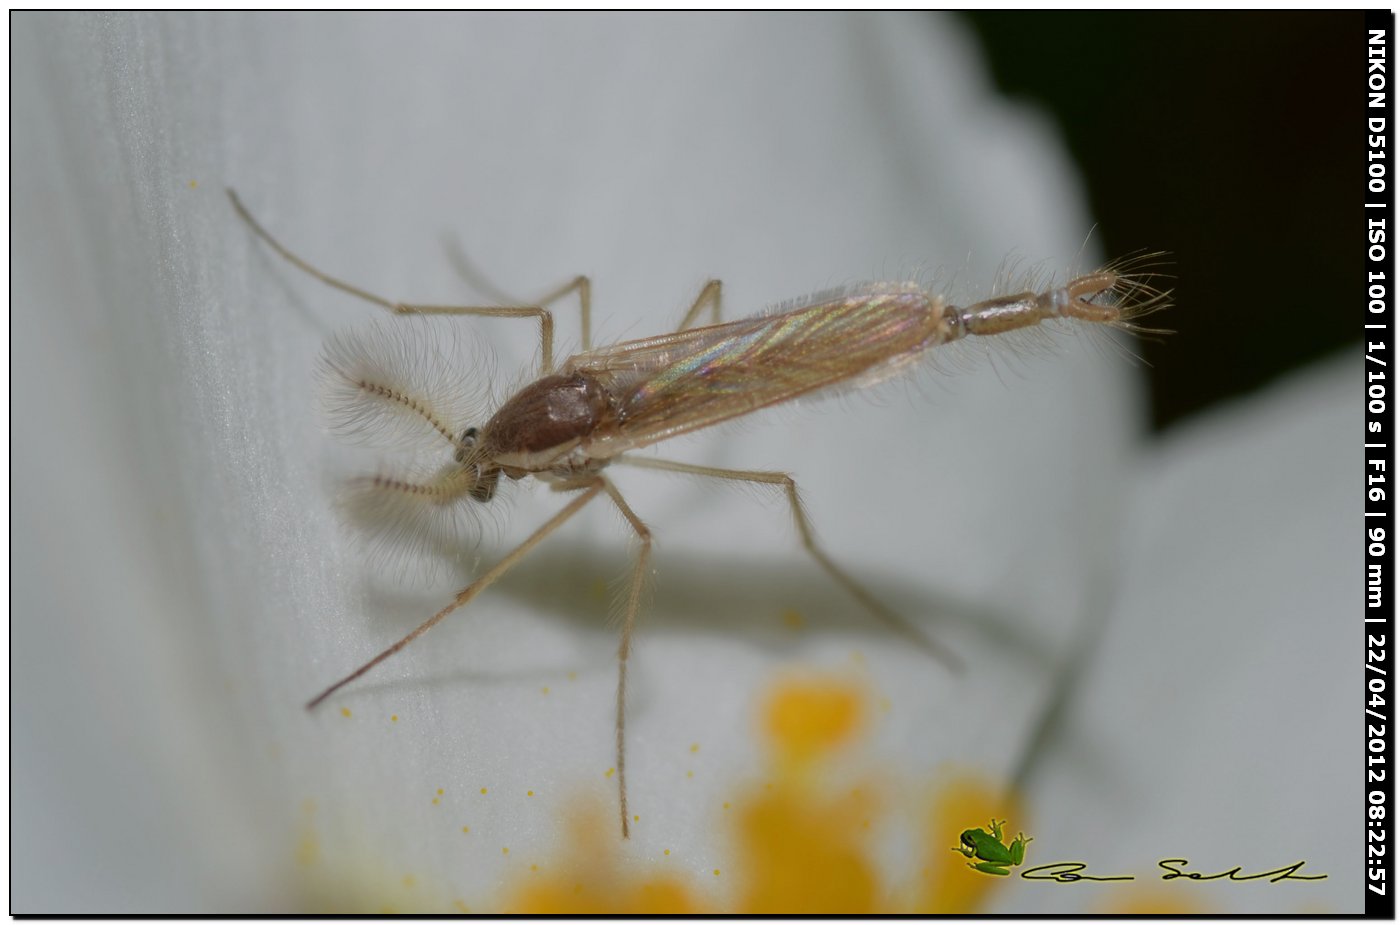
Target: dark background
{"type": "Point", "coordinates": [1234, 141]}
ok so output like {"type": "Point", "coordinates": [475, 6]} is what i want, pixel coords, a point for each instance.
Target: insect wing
{"type": "Point", "coordinates": [677, 383]}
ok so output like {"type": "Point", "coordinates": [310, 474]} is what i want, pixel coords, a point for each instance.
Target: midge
{"type": "Point", "coordinates": [589, 412]}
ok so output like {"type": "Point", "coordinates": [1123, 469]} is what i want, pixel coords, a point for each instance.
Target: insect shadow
{"type": "Point", "coordinates": [772, 605]}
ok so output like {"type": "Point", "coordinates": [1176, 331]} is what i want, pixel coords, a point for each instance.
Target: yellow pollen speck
{"type": "Point", "coordinates": [394, 718]}
{"type": "Point", "coordinates": [439, 791]}
{"type": "Point", "coordinates": [194, 184]}
{"type": "Point", "coordinates": [308, 850]}
{"type": "Point", "coordinates": [544, 690]}
{"type": "Point", "coordinates": [695, 748]}
{"type": "Point", "coordinates": [505, 851]}
{"type": "Point", "coordinates": [792, 619]}
{"type": "Point", "coordinates": [573, 676]}
{"type": "Point", "coordinates": [667, 852]}
{"type": "Point", "coordinates": [409, 881]}
{"type": "Point", "coordinates": [534, 867]}
{"type": "Point", "coordinates": [483, 790]}
{"type": "Point", "coordinates": [716, 871]}
{"type": "Point", "coordinates": [726, 804]}
{"type": "Point", "coordinates": [610, 772]}
{"type": "Point", "coordinates": [529, 793]}
{"type": "Point", "coordinates": [636, 818]}
{"type": "Point", "coordinates": [808, 718]}
{"type": "Point", "coordinates": [345, 711]}
{"type": "Point", "coordinates": [689, 773]}
{"type": "Point", "coordinates": [466, 829]}
{"type": "Point", "coordinates": [436, 801]}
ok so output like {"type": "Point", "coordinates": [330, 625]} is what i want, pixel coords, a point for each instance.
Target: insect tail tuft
{"type": "Point", "coordinates": [1138, 292]}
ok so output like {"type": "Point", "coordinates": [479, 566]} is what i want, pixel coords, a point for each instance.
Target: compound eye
{"type": "Point", "coordinates": [465, 443]}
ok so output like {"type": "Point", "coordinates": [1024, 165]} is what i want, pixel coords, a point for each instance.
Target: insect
{"type": "Point", "coordinates": [581, 416]}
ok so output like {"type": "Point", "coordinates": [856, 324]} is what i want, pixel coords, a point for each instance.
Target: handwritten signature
{"type": "Point", "coordinates": [1174, 869]}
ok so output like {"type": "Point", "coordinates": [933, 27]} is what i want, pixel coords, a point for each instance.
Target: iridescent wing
{"type": "Point", "coordinates": [673, 384]}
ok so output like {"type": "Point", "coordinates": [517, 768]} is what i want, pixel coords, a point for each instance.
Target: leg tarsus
{"type": "Point", "coordinates": [579, 283]}
{"type": "Point", "coordinates": [470, 591]}
{"type": "Point", "coordinates": [629, 622]}
{"type": "Point", "coordinates": [477, 279]}
{"type": "Point", "coordinates": [711, 293]}
{"type": "Point", "coordinates": [287, 255]}
{"type": "Point", "coordinates": [809, 543]}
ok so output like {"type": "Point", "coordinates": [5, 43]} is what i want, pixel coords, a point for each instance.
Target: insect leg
{"type": "Point", "coordinates": [711, 294]}
{"type": "Point", "coordinates": [809, 542]}
{"type": "Point", "coordinates": [471, 590]}
{"type": "Point", "coordinates": [478, 281]}
{"type": "Point", "coordinates": [629, 621]}
{"type": "Point", "coordinates": [546, 319]}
